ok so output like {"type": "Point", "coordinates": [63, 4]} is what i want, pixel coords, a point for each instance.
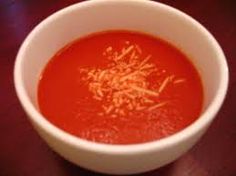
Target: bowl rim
{"type": "Point", "coordinates": [205, 118]}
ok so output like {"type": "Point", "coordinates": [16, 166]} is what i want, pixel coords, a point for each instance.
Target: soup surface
{"type": "Point", "coordinates": [120, 87]}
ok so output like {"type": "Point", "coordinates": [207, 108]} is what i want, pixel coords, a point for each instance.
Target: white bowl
{"type": "Point", "coordinates": [150, 17]}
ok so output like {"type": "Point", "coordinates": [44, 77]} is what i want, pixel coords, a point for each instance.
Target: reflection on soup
{"type": "Point", "coordinates": [120, 87]}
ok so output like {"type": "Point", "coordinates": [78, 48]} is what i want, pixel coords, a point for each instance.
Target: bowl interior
{"type": "Point", "coordinates": [149, 17]}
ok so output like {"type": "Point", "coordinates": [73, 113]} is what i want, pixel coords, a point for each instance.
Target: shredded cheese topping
{"type": "Point", "coordinates": [123, 86]}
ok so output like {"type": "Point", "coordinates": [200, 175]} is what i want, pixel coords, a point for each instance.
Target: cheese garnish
{"type": "Point", "coordinates": [123, 86]}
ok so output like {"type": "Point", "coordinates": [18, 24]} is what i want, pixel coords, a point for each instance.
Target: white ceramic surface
{"type": "Point", "coordinates": [99, 15]}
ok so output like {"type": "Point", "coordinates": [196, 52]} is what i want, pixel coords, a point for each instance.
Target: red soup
{"type": "Point", "coordinates": [120, 87]}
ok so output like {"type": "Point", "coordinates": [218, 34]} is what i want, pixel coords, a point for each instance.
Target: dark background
{"type": "Point", "coordinates": [23, 153]}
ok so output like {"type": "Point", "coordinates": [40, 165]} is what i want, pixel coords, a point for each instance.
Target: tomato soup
{"type": "Point", "coordinates": [120, 87]}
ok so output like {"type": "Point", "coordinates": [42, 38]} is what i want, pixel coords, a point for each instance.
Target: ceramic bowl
{"type": "Point", "coordinates": [150, 17]}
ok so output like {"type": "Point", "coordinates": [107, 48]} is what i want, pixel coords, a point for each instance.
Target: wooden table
{"type": "Point", "coordinates": [23, 153]}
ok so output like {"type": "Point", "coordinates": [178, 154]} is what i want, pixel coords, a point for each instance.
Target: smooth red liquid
{"type": "Point", "coordinates": [65, 100]}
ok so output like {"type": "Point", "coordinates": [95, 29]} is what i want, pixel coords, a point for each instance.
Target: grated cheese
{"type": "Point", "coordinates": [164, 84]}
{"type": "Point", "coordinates": [125, 52]}
{"type": "Point", "coordinates": [146, 91]}
{"type": "Point", "coordinates": [179, 81]}
{"type": "Point", "coordinates": [157, 106]}
{"type": "Point", "coordinates": [123, 85]}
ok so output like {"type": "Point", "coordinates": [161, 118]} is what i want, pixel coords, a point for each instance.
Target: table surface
{"type": "Point", "coordinates": [23, 152]}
